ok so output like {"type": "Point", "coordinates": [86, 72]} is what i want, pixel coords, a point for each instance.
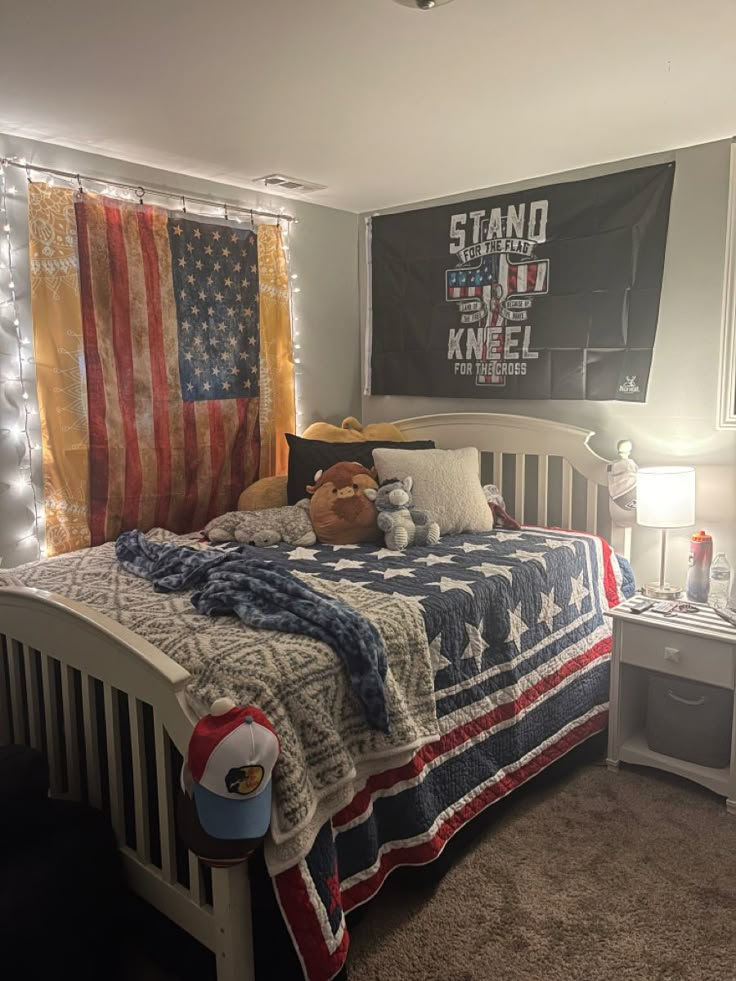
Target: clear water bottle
{"type": "Point", "coordinates": [720, 581]}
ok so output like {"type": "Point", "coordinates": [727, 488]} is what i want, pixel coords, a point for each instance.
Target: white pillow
{"type": "Point", "coordinates": [446, 483]}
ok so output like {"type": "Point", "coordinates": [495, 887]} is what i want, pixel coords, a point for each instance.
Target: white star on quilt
{"type": "Point", "coordinates": [517, 627]}
{"type": "Point", "coordinates": [548, 609]}
{"type": "Point", "coordinates": [525, 556]}
{"type": "Point", "coordinates": [489, 569]}
{"type": "Point", "coordinates": [345, 564]}
{"type": "Point", "coordinates": [445, 585]}
{"type": "Point", "coordinates": [416, 600]}
{"type": "Point", "coordinates": [509, 536]}
{"type": "Point", "coordinates": [387, 553]}
{"type": "Point", "coordinates": [435, 559]}
{"type": "Point", "coordinates": [303, 553]}
{"type": "Point", "coordinates": [470, 547]}
{"type": "Point", "coordinates": [578, 592]}
{"type": "Point", "coordinates": [439, 661]}
{"type": "Point", "coordinates": [349, 582]}
{"type": "Point", "coordinates": [337, 548]}
{"type": "Point", "coordinates": [476, 646]}
{"type": "Point", "coordinates": [557, 543]}
{"type": "Point", "coordinates": [393, 573]}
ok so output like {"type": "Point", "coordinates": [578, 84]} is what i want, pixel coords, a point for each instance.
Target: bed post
{"type": "Point", "coordinates": [622, 497]}
{"type": "Point", "coordinates": [231, 903]}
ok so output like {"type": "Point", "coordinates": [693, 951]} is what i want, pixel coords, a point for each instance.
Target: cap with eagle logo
{"type": "Point", "coordinates": [232, 753]}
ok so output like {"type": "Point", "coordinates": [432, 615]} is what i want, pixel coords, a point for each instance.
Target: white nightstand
{"type": "Point", "coordinates": [694, 647]}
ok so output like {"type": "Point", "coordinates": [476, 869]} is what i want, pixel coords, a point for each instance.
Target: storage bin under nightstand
{"type": "Point", "coordinates": [672, 696]}
{"type": "Point", "coordinates": [689, 720]}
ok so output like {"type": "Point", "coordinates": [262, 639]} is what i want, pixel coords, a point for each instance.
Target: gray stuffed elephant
{"type": "Point", "coordinates": [401, 524]}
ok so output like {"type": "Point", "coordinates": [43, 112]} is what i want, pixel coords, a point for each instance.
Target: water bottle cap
{"type": "Point", "coordinates": [701, 536]}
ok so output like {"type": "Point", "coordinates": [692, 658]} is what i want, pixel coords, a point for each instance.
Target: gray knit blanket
{"type": "Point", "coordinates": [241, 582]}
{"type": "Point", "coordinates": [327, 748]}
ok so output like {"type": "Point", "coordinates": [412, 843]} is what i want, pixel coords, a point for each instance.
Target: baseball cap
{"type": "Point", "coordinates": [230, 761]}
{"type": "Point", "coordinates": [220, 853]}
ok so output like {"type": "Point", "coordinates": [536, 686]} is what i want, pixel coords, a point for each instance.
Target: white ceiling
{"type": "Point", "coordinates": [383, 104]}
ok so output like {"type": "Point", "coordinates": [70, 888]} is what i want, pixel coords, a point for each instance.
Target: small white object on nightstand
{"type": "Point", "coordinates": [695, 646]}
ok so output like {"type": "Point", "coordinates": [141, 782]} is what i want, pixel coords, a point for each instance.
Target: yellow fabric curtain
{"type": "Point", "coordinates": [277, 409]}
{"type": "Point", "coordinates": [60, 373]}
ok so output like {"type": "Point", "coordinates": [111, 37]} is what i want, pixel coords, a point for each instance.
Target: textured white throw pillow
{"type": "Point", "coordinates": [446, 483]}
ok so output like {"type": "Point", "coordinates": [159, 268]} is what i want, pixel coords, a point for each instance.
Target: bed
{"type": "Point", "coordinates": [514, 661]}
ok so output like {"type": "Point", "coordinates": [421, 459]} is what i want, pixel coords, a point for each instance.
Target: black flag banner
{"type": "Point", "coordinates": [548, 293]}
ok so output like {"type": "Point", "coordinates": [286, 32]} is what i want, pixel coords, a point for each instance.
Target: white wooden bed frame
{"type": "Point", "coordinates": [96, 698]}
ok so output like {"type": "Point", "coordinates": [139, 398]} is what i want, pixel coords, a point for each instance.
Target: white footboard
{"type": "Point", "coordinates": [109, 712]}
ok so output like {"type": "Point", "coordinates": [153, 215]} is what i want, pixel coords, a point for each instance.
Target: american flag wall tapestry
{"type": "Point", "coordinates": [548, 293]}
{"type": "Point", "coordinates": [162, 366]}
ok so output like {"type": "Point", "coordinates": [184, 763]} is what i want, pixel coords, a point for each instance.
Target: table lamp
{"type": "Point", "coordinates": [665, 498]}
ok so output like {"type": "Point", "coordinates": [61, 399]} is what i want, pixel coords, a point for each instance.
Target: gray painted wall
{"type": "Point", "coordinates": [323, 253]}
{"type": "Point", "coordinates": [677, 423]}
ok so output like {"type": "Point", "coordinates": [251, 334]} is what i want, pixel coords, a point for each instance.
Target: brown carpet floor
{"type": "Point", "coordinates": [627, 876]}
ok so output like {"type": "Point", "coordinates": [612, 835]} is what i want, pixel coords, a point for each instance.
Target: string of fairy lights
{"type": "Point", "coordinates": [294, 290]}
{"type": "Point", "coordinates": [17, 381]}
{"type": "Point", "coordinates": [17, 372]}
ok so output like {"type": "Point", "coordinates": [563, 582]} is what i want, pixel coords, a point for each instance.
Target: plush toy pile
{"type": "Point", "coordinates": [345, 504]}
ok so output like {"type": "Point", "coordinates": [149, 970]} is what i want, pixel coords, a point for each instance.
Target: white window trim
{"type": "Point", "coordinates": [727, 373]}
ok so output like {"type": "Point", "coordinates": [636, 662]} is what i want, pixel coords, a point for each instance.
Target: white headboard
{"type": "Point", "coordinates": [546, 470]}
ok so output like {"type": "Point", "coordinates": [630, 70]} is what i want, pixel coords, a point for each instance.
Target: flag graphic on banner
{"type": "Point", "coordinates": [513, 278]}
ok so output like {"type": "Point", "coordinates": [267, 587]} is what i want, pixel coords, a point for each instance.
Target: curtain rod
{"type": "Point", "coordinates": [141, 191]}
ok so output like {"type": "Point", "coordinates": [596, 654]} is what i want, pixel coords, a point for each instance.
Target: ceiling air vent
{"type": "Point", "coordinates": [280, 182]}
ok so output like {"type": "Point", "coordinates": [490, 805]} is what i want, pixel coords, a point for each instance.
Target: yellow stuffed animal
{"type": "Point", "coordinates": [270, 492]}
{"type": "Point", "coordinates": [351, 431]}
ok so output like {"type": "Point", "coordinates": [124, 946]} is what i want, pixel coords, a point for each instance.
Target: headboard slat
{"type": "Point", "coordinates": [498, 470]}
{"type": "Point", "coordinates": [520, 489]}
{"type": "Point", "coordinates": [543, 489]}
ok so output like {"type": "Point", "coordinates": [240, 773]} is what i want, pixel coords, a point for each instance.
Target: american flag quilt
{"type": "Point", "coordinates": [520, 647]}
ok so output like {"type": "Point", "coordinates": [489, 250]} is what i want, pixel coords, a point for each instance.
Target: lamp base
{"type": "Point", "coordinates": [662, 591]}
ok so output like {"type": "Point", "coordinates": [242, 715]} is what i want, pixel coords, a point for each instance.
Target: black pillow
{"type": "Point", "coordinates": [307, 456]}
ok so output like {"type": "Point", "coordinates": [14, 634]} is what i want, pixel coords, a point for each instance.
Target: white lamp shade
{"type": "Point", "coordinates": [665, 497]}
